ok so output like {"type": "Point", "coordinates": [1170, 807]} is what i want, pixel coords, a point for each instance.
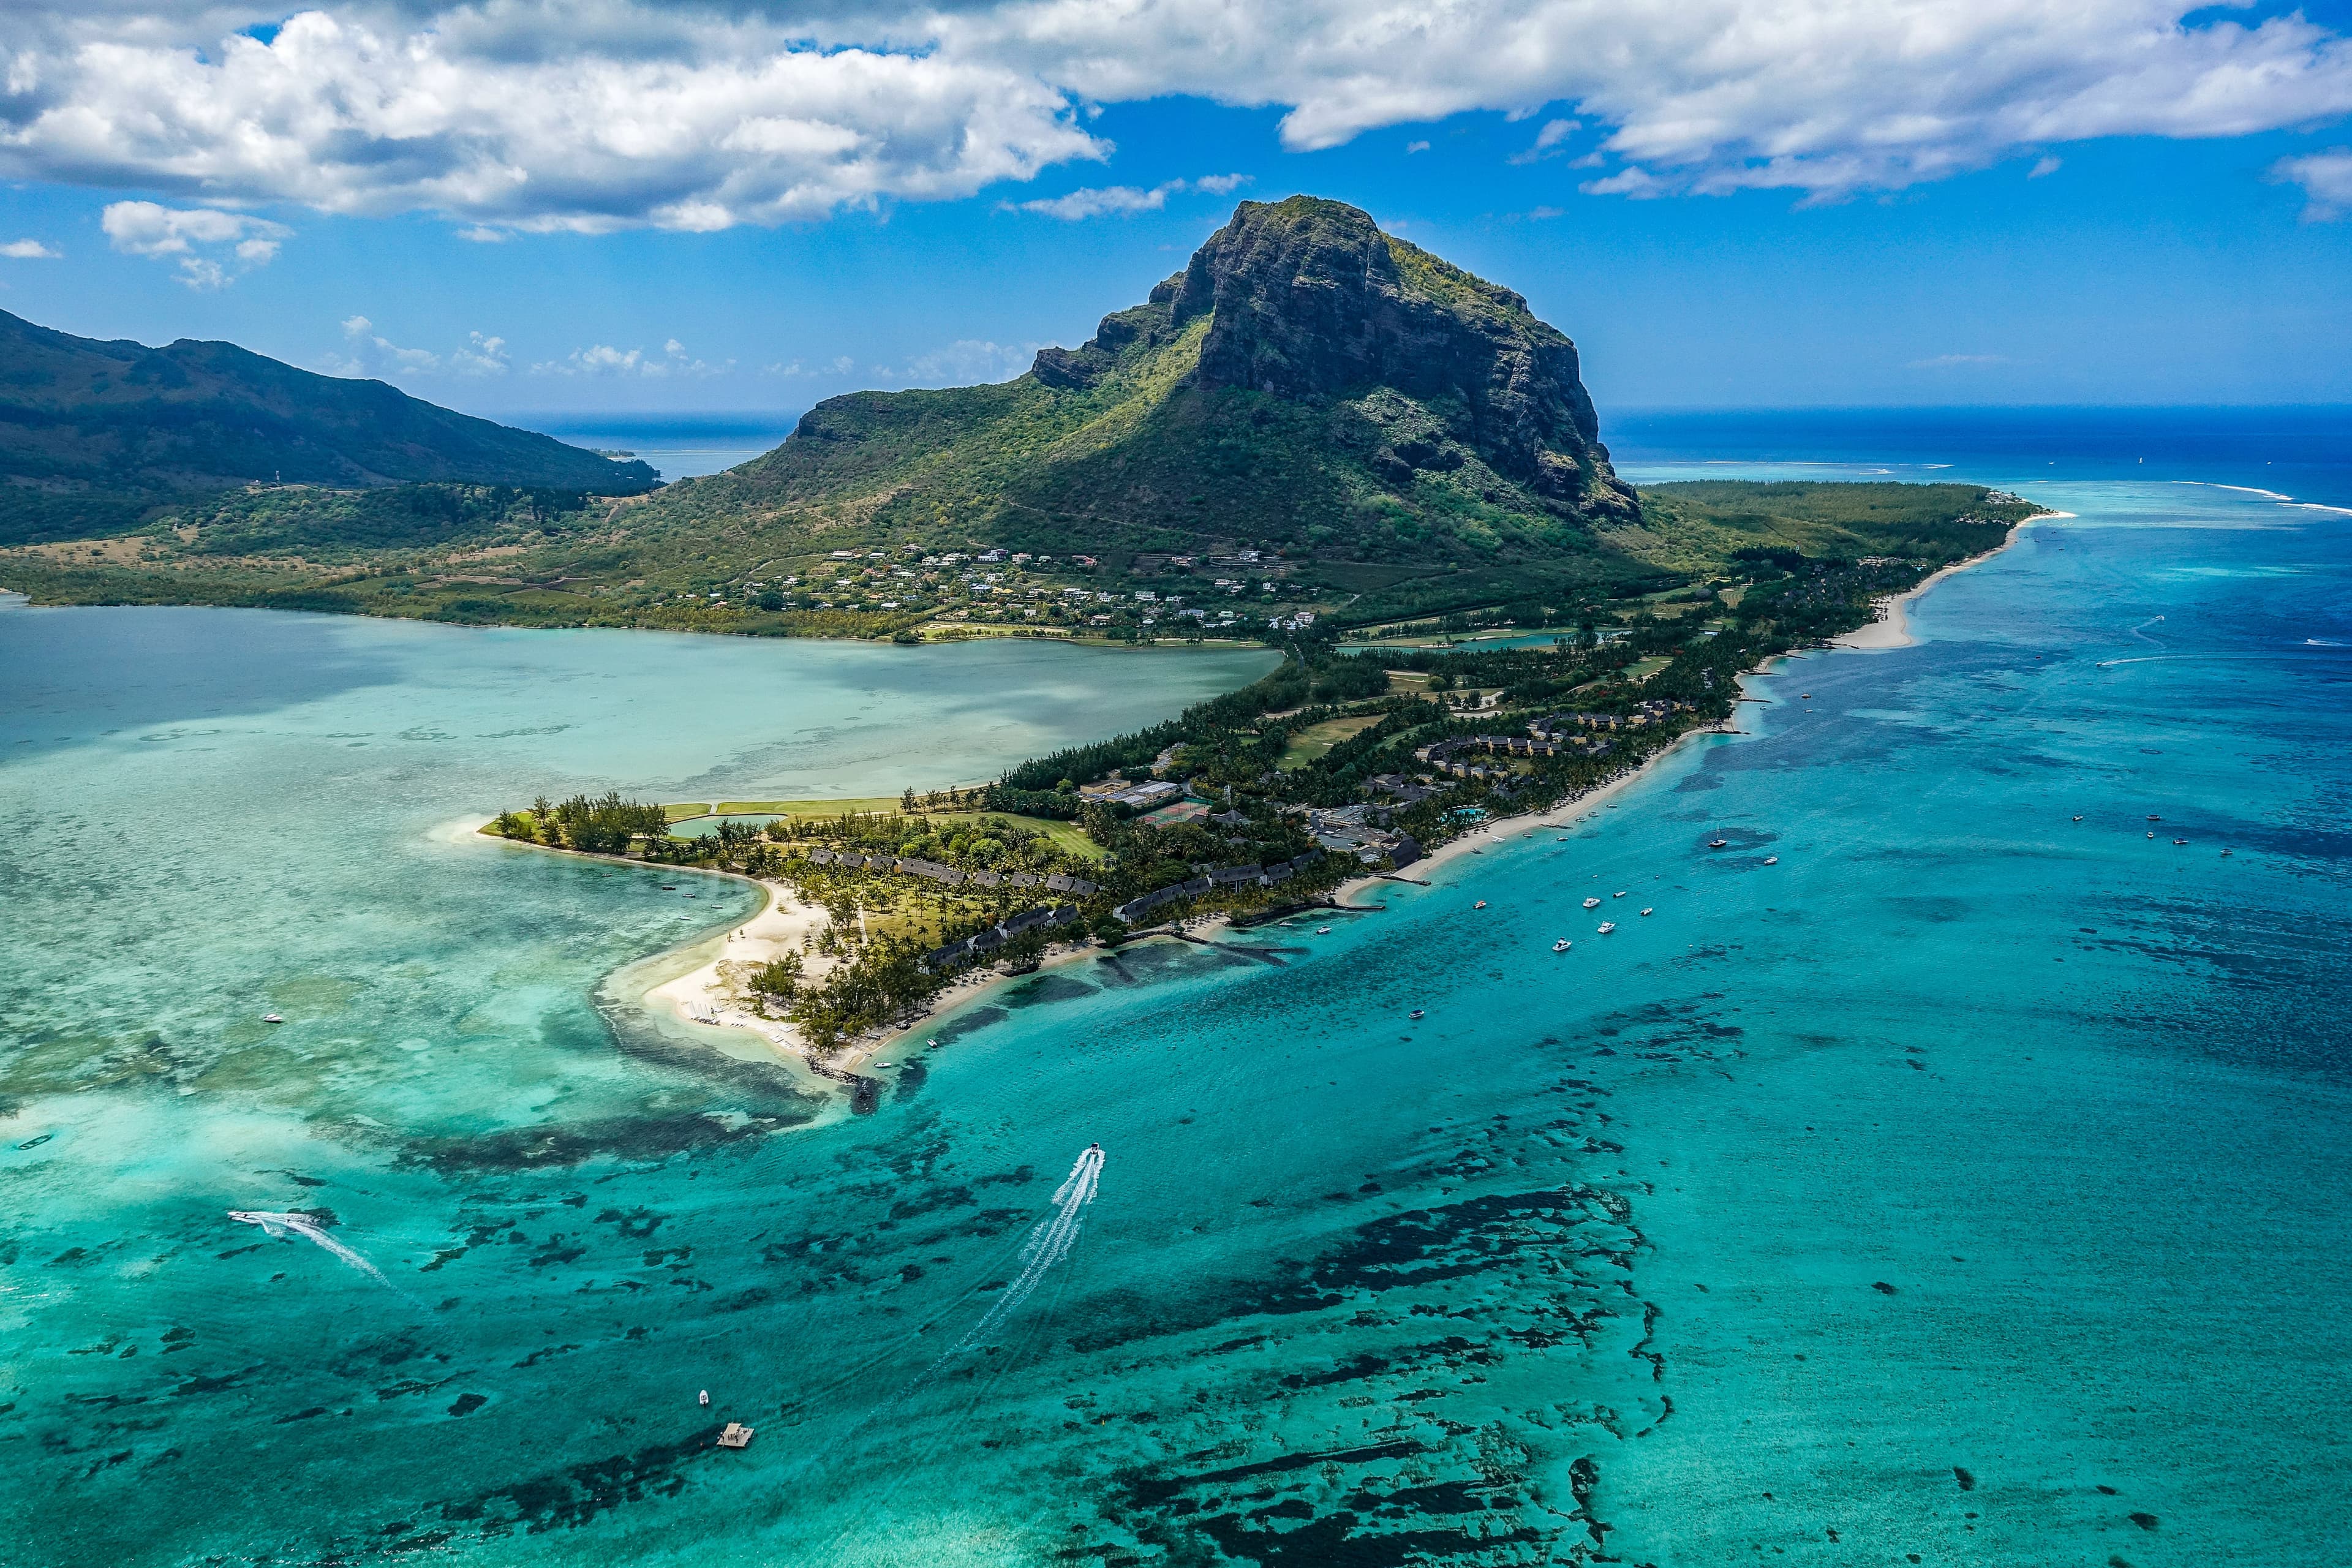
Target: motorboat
{"type": "Point", "coordinates": [2078, 819]}
{"type": "Point", "coordinates": [1322, 930]}
{"type": "Point", "coordinates": [1479, 905]}
{"type": "Point", "coordinates": [1618, 894]}
{"type": "Point", "coordinates": [1645, 912]}
{"type": "Point", "coordinates": [1772, 859]}
{"type": "Point", "coordinates": [1093, 1148]}
{"type": "Point", "coordinates": [1607, 926]}
{"type": "Point", "coordinates": [1718, 843]}
{"type": "Point", "coordinates": [1414, 1013]}
{"type": "Point", "coordinates": [271, 1018]}
{"type": "Point", "coordinates": [705, 1397]}
{"type": "Point", "coordinates": [1592, 903]}
{"type": "Point", "coordinates": [2180, 841]}
{"type": "Point", "coordinates": [1561, 946]}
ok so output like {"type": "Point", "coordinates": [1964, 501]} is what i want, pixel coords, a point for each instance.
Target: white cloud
{"type": "Point", "coordinates": [1125, 201]}
{"type": "Point", "coordinates": [591, 115]}
{"type": "Point", "coordinates": [1960, 362]}
{"type": "Point", "coordinates": [2325, 178]}
{"type": "Point", "coordinates": [1412, 147]}
{"type": "Point", "coordinates": [604, 360]}
{"type": "Point", "coordinates": [970, 363]}
{"type": "Point", "coordinates": [1121, 201]}
{"type": "Point", "coordinates": [2044, 167]}
{"type": "Point", "coordinates": [375, 355]}
{"type": "Point", "coordinates": [196, 237]}
{"type": "Point", "coordinates": [28, 250]}
{"type": "Point", "coordinates": [1548, 141]}
{"type": "Point", "coordinates": [482, 234]}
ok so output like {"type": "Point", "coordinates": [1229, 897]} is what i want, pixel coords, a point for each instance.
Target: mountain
{"type": "Point", "coordinates": [1313, 425]}
{"type": "Point", "coordinates": [94, 432]}
{"type": "Point", "coordinates": [1307, 382]}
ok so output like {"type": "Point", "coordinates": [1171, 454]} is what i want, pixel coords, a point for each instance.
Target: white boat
{"type": "Point", "coordinates": [1718, 843]}
{"type": "Point", "coordinates": [1618, 894]}
{"type": "Point", "coordinates": [1561, 946]}
{"type": "Point", "coordinates": [1607, 926]}
{"type": "Point", "coordinates": [1322, 930]}
{"type": "Point", "coordinates": [1772, 859]}
{"type": "Point", "coordinates": [271, 1018]}
{"type": "Point", "coordinates": [1592, 903]}
{"type": "Point", "coordinates": [1645, 912]}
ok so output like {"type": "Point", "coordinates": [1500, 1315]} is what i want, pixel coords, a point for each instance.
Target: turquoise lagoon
{"type": "Point", "coordinates": [1966, 1186]}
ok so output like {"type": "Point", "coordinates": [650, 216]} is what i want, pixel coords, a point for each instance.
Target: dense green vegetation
{"type": "Point", "coordinates": [96, 436]}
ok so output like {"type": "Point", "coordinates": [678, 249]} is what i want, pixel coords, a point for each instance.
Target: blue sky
{"type": "Point", "coordinates": [2094, 242]}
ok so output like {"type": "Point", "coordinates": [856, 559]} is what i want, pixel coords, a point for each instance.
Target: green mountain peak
{"type": "Point", "coordinates": [1306, 381]}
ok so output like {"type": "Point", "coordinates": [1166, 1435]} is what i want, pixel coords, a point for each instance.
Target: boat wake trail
{"type": "Point", "coordinates": [302, 1225]}
{"type": "Point", "coordinates": [1047, 1245]}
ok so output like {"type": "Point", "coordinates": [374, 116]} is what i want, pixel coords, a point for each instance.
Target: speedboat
{"type": "Point", "coordinates": [1607, 926]}
{"type": "Point", "coordinates": [1561, 946]}
{"type": "Point", "coordinates": [1645, 912]}
{"type": "Point", "coordinates": [1804, 697]}
{"type": "Point", "coordinates": [2078, 819]}
{"type": "Point", "coordinates": [2180, 841]}
{"type": "Point", "coordinates": [2225, 854]}
{"type": "Point", "coordinates": [1093, 1148]}
{"type": "Point", "coordinates": [1415, 1013]}
{"type": "Point", "coordinates": [2153, 818]}
{"type": "Point", "coordinates": [706, 1397]}
{"type": "Point", "coordinates": [271, 1018]}
{"type": "Point", "coordinates": [1322, 930]}
{"type": "Point", "coordinates": [1718, 843]}
{"type": "Point", "coordinates": [1772, 859]}
{"type": "Point", "coordinates": [1479, 905]}
{"type": "Point", "coordinates": [1592, 903]}
{"type": "Point", "coordinates": [1618, 894]}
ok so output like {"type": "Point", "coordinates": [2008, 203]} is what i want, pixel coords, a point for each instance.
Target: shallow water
{"type": "Point", "coordinates": [1965, 1162]}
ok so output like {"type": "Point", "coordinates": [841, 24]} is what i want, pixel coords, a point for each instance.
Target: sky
{"type": "Point", "coordinates": [540, 209]}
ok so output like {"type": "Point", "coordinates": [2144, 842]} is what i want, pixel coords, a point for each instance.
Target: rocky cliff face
{"type": "Point", "coordinates": [1308, 300]}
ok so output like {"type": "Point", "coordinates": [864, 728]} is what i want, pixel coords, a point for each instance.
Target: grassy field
{"type": "Point", "coordinates": [1315, 739]}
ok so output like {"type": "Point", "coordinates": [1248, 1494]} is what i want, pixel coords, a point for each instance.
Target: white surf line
{"type": "Point", "coordinates": [302, 1225]}
{"type": "Point", "coordinates": [2242, 490]}
{"type": "Point", "coordinates": [1048, 1243]}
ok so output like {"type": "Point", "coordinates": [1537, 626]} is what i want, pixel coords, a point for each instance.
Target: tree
{"type": "Point", "coordinates": [906, 799]}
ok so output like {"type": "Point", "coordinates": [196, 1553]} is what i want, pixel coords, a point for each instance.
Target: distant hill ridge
{"type": "Point", "coordinates": [93, 432]}
{"type": "Point", "coordinates": [1307, 379]}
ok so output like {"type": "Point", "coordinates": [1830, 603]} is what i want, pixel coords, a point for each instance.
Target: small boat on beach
{"type": "Point", "coordinates": [1592, 903]}
{"type": "Point", "coordinates": [1607, 926]}
{"type": "Point", "coordinates": [271, 1018]}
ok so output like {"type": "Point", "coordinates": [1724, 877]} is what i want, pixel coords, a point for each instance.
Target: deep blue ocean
{"type": "Point", "coordinates": [1950, 1169]}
